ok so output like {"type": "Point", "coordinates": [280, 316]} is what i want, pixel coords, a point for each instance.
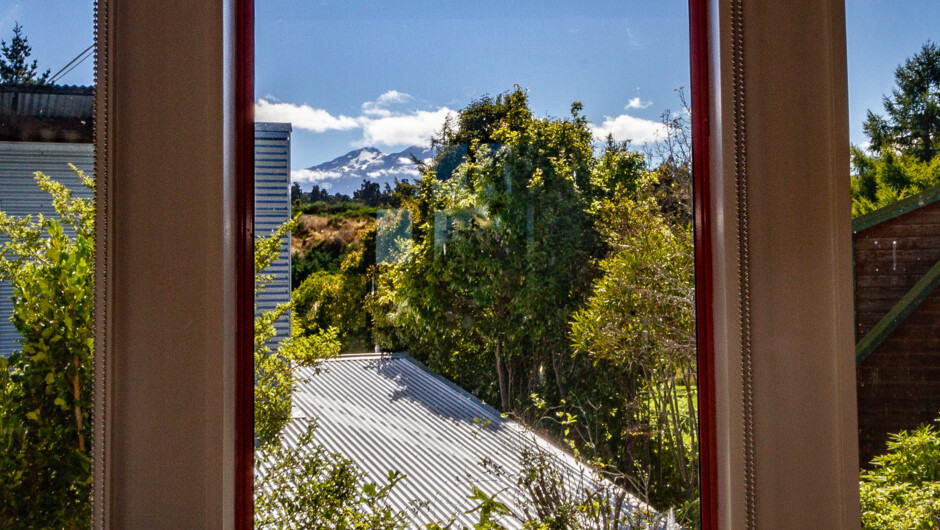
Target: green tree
{"type": "Point", "coordinates": [640, 319]}
{"type": "Point", "coordinates": [327, 299]}
{"type": "Point", "coordinates": [904, 157]}
{"type": "Point", "coordinates": [522, 225]}
{"type": "Point", "coordinates": [912, 125]}
{"type": "Point", "coordinates": [501, 254]}
{"type": "Point", "coordinates": [45, 386]}
{"type": "Point", "coordinates": [885, 179]}
{"type": "Point", "coordinates": [15, 68]}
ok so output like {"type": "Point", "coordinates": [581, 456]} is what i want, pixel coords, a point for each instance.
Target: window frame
{"type": "Point", "coordinates": [717, 34]}
{"type": "Point", "coordinates": [700, 95]}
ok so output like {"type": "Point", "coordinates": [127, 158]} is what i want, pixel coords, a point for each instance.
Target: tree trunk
{"type": "Point", "coordinates": [558, 379]}
{"type": "Point", "coordinates": [76, 391]}
{"type": "Point", "coordinates": [501, 377]}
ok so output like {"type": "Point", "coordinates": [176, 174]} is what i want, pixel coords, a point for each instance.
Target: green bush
{"type": "Point", "coordinates": [45, 386]}
{"type": "Point", "coordinates": [902, 491]}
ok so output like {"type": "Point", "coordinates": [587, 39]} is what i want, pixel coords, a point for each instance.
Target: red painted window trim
{"type": "Point", "coordinates": [244, 392]}
{"type": "Point", "coordinates": [244, 263]}
{"type": "Point", "coordinates": [698, 53]}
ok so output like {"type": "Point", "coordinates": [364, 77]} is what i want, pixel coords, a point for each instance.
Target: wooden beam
{"type": "Point", "coordinates": [897, 314]}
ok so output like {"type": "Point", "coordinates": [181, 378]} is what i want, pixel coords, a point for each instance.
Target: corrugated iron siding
{"type": "Point", "coordinates": [19, 196]}
{"type": "Point", "coordinates": [389, 412]}
{"type": "Point", "coordinates": [272, 209]}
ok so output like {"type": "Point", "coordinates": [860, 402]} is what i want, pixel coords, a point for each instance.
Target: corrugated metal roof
{"type": "Point", "coordinates": [48, 101]}
{"type": "Point", "coordinates": [47, 113]}
{"type": "Point", "coordinates": [389, 412]}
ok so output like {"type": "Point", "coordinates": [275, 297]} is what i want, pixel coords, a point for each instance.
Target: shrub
{"type": "Point", "coordinates": [902, 491]}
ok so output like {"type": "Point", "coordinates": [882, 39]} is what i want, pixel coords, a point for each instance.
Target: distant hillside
{"type": "Point", "coordinates": [321, 242]}
{"type": "Point", "coordinates": [322, 232]}
{"type": "Point", "coordinates": [345, 174]}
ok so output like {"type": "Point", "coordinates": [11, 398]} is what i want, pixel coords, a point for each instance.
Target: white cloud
{"type": "Point", "coordinates": [309, 175]}
{"type": "Point", "coordinates": [637, 103]}
{"type": "Point", "coordinates": [625, 127]}
{"type": "Point", "coordinates": [416, 128]}
{"type": "Point", "coordinates": [405, 172]}
{"type": "Point", "coordinates": [380, 125]}
{"type": "Point", "coordinates": [302, 116]}
{"type": "Point", "coordinates": [378, 107]}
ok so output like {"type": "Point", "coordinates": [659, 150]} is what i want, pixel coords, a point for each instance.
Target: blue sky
{"type": "Point", "coordinates": [385, 74]}
{"type": "Point", "coordinates": [375, 73]}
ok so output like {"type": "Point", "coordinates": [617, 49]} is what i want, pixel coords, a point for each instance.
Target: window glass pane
{"type": "Point", "coordinates": [480, 303]}
{"type": "Point", "coordinates": [894, 99]}
{"type": "Point", "coordinates": [46, 263]}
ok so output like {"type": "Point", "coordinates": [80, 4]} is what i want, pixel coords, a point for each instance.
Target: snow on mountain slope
{"type": "Point", "coordinates": [345, 174]}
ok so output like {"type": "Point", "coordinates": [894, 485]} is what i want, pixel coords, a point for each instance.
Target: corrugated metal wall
{"type": "Point", "coordinates": [19, 195]}
{"type": "Point", "coordinates": [272, 208]}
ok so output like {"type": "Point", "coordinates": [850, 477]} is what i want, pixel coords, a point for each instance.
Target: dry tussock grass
{"type": "Point", "coordinates": [313, 230]}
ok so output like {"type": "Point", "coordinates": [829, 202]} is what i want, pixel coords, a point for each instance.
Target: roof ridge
{"type": "Point", "coordinates": [896, 209]}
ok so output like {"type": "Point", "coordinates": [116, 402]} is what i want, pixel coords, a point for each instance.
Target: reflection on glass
{"type": "Point", "coordinates": [47, 251]}
{"type": "Point", "coordinates": [492, 314]}
{"type": "Point", "coordinates": [895, 123]}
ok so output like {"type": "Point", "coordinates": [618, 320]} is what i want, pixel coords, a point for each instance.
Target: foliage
{"type": "Point", "coordinates": [321, 243]}
{"type": "Point", "coordinates": [551, 495]}
{"type": "Point", "coordinates": [15, 68]}
{"type": "Point", "coordinates": [335, 300]}
{"type": "Point", "coordinates": [306, 486]}
{"type": "Point", "coordinates": [882, 180]}
{"type": "Point", "coordinates": [344, 209]}
{"type": "Point", "coordinates": [502, 246]}
{"type": "Point", "coordinates": [319, 258]}
{"type": "Point", "coordinates": [912, 125]}
{"type": "Point", "coordinates": [902, 490]}
{"type": "Point", "coordinates": [641, 318]}
{"type": "Point", "coordinates": [309, 487]}
{"type": "Point", "coordinates": [904, 152]}
{"type": "Point", "coordinates": [520, 225]}
{"type": "Point", "coordinates": [275, 378]}
{"type": "Point", "coordinates": [45, 387]}
{"type": "Point", "coordinates": [369, 195]}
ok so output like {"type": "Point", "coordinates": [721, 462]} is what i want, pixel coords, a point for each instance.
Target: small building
{"type": "Point", "coordinates": [46, 128]}
{"type": "Point", "coordinates": [272, 209]}
{"type": "Point", "coordinates": [388, 412]}
{"type": "Point", "coordinates": [897, 308]}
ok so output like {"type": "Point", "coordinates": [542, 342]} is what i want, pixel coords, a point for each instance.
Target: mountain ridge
{"type": "Point", "coordinates": [344, 174]}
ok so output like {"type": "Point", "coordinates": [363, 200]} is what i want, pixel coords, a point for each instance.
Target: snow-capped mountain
{"type": "Point", "coordinates": [346, 173]}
